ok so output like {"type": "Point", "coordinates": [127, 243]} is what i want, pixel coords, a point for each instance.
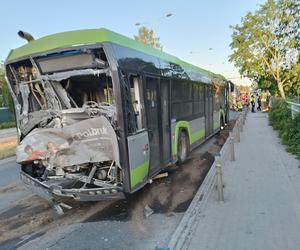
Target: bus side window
{"type": "Point", "coordinates": [136, 91]}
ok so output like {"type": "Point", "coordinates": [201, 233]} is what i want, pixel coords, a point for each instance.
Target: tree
{"type": "Point", "coordinates": [5, 97]}
{"type": "Point", "coordinates": [289, 31]}
{"type": "Point", "coordinates": [265, 45]}
{"type": "Point", "coordinates": [148, 37]}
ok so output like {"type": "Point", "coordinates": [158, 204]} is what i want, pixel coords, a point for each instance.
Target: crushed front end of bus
{"type": "Point", "coordinates": [66, 120]}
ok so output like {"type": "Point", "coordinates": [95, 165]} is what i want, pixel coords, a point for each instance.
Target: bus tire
{"type": "Point", "coordinates": [183, 147]}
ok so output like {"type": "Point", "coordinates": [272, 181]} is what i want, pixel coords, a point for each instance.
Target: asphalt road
{"type": "Point", "coordinates": [9, 171]}
{"type": "Point", "coordinates": [11, 188]}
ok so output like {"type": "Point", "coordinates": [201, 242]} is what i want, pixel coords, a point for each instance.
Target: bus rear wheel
{"type": "Point", "coordinates": [183, 147]}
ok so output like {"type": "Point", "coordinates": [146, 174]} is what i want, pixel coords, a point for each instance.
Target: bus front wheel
{"type": "Point", "coordinates": [183, 147]}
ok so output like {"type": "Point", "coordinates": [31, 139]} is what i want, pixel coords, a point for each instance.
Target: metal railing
{"type": "Point", "coordinates": [294, 107]}
{"type": "Point", "coordinates": [295, 99]}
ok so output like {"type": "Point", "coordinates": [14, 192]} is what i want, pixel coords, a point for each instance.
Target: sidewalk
{"type": "Point", "coordinates": [262, 197]}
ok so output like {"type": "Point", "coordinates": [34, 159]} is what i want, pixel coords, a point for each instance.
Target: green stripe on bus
{"type": "Point", "coordinates": [216, 124]}
{"type": "Point", "coordinates": [192, 137]}
{"type": "Point", "coordinates": [139, 173]}
{"type": "Point", "coordinates": [198, 135]}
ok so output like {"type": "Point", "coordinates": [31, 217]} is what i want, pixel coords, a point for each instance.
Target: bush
{"type": "Point", "coordinates": [7, 125]}
{"type": "Point", "coordinates": [280, 118]}
{"type": "Point", "coordinates": [5, 97]}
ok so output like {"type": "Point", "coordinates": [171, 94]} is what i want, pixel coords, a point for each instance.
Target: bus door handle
{"type": "Point", "coordinates": [150, 133]}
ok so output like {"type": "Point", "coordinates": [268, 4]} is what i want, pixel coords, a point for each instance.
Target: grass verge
{"type": "Point", "coordinates": [7, 125]}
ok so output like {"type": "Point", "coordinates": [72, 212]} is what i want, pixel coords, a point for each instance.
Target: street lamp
{"type": "Point", "coordinates": [197, 52]}
{"type": "Point", "coordinates": [156, 21]}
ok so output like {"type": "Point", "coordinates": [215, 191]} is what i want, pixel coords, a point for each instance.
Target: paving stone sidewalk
{"type": "Point", "coordinates": [262, 197]}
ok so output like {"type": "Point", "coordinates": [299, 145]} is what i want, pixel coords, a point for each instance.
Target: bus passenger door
{"type": "Point", "coordinates": [152, 111]}
{"type": "Point", "coordinates": [165, 120]}
{"type": "Point", "coordinates": [208, 111]}
{"type": "Point", "coordinates": [138, 142]}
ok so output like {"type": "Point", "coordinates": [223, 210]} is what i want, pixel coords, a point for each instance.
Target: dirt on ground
{"type": "Point", "coordinates": [167, 195]}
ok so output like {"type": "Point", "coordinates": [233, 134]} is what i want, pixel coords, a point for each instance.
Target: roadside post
{"type": "Point", "coordinates": [241, 123]}
{"type": "Point", "coordinates": [238, 136]}
{"type": "Point", "coordinates": [219, 179]}
{"type": "Point", "coordinates": [231, 143]}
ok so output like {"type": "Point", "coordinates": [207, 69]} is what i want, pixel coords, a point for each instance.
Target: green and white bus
{"type": "Point", "coordinates": [99, 114]}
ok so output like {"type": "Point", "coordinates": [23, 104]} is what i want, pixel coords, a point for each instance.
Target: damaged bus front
{"type": "Point", "coordinates": [66, 121]}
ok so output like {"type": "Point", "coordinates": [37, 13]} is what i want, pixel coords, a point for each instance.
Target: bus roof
{"type": "Point", "coordinates": [93, 36]}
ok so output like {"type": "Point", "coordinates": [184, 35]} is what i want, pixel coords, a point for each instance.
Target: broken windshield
{"type": "Point", "coordinates": [75, 84]}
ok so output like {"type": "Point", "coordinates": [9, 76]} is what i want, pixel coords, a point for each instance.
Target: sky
{"type": "Point", "coordinates": [198, 30]}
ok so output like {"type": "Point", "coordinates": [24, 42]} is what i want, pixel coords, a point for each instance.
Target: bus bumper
{"type": "Point", "coordinates": [52, 191]}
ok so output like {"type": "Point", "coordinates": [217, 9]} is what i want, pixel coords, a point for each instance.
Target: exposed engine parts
{"type": "Point", "coordinates": [105, 174]}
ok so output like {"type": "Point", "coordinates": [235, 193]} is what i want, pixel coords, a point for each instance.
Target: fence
{"type": "Point", "coordinates": [294, 107]}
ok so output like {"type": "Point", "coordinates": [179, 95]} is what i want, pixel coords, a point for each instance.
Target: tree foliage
{"type": "Point", "coordinates": [148, 37]}
{"type": "Point", "coordinates": [266, 46]}
{"type": "Point", "coordinates": [5, 97]}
